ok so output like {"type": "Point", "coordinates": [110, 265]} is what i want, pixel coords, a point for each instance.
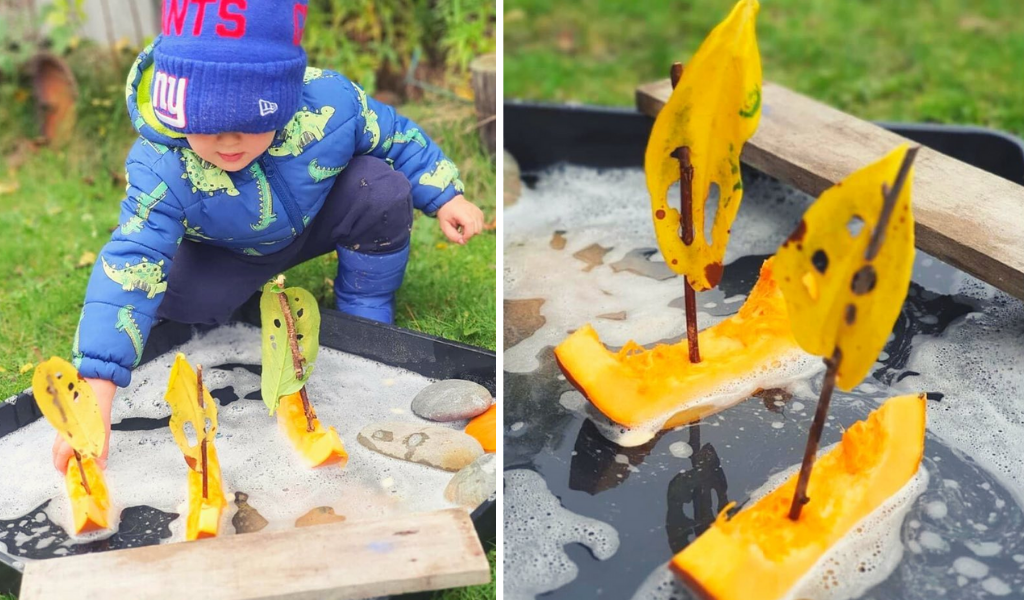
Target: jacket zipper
{"type": "Point", "coordinates": [284, 194]}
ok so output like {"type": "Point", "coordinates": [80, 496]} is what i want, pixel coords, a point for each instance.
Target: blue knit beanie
{"type": "Point", "coordinates": [229, 65]}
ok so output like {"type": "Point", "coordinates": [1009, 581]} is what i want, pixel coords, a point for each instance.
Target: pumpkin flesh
{"type": "Point", "coordinates": [761, 553]}
{"type": "Point", "coordinates": [91, 511]}
{"type": "Point", "coordinates": [318, 448]}
{"type": "Point", "coordinates": [635, 387]}
{"type": "Point", "coordinates": [483, 428]}
{"type": "Point", "coordinates": [204, 513]}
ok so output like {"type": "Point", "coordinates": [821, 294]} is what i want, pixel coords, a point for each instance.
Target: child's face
{"type": "Point", "coordinates": [230, 151]}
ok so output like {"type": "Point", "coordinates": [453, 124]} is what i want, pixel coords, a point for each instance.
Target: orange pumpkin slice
{"type": "Point", "coordinates": [91, 511]}
{"type": "Point", "coordinates": [320, 447]}
{"type": "Point", "coordinates": [636, 388]}
{"type": "Point", "coordinates": [761, 553]}
{"type": "Point", "coordinates": [204, 513]}
{"type": "Point", "coordinates": [483, 428]}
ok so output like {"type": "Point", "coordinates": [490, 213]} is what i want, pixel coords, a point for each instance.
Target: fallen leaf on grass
{"type": "Point", "coordinates": [8, 187]}
{"type": "Point", "coordinates": [25, 368]}
{"type": "Point", "coordinates": [87, 259]}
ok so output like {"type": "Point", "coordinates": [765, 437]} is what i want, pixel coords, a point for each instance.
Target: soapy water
{"type": "Point", "coordinates": [145, 468]}
{"type": "Point", "coordinates": [957, 339]}
{"type": "Point", "coordinates": [538, 526]}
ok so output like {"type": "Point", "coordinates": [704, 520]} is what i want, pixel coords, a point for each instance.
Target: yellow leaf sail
{"type": "Point", "coordinates": [205, 505]}
{"type": "Point", "coordinates": [845, 300]}
{"type": "Point", "coordinates": [68, 403]}
{"type": "Point", "coordinates": [713, 110]}
{"type": "Point", "coordinates": [185, 410]}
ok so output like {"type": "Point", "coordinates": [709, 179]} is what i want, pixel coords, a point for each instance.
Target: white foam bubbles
{"type": "Point", "coordinates": [146, 467]}
{"type": "Point", "coordinates": [537, 527]}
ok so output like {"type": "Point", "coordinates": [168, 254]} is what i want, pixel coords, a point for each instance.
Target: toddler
{"type": "Point", "coordinates": [248, 163]}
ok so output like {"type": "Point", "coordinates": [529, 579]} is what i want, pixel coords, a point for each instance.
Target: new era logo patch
{"type": "Point", "coordinates": [267, 108]}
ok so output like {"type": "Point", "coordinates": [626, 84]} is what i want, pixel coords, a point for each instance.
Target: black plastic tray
{"type": "Point", "coordinates": [660, 510]}
{"type": "Point", "coordinates": [426, 355]}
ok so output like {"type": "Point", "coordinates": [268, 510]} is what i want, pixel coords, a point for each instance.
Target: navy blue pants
{"type": "Point", "coordinates": [368, 210]}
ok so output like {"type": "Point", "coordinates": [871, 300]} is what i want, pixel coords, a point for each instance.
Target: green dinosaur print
{"type": "Point", "coordinates": [445, 173]}
{"type": "Point", "coordinates": [139, 122]}
{"type": "Point", "coordinates": [206, 176]}
{"type": "Point", "coordinates": [156, 146]}
{"type": "Point", "coordinates": [194, 232]}
{"type": "Point", "coordinates": [76, 354]}
{"type": "Point", "coordinates": [145, 276]}
{"type": "Point", "coordinates": [313, 73]}
{"type": "Point", "coordinates": [146, 203]}
{"type": "Point", "coordinates": [371, 127]}
{"type": "Point", "coordinates": [251, 252]}
{"type": "Point", "coordinates": [319, 173]}
{"type": "Point", "coordinates": [267, 215]}
{"type": "Point", "coordinates": [133, 74]}
{"type": "Point", "coordinates": [413, 135]}
{"type": "Point", "coordinates": [126, 323]}
{"type": "Point", "coordinates": [305, 128]}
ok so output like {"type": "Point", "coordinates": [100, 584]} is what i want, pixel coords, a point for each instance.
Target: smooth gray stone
{"type": "Point", "coordinates": [447, 449]}
{"type": "Point", "coordinates": [451, 400]}
{"type": "Point", "coordinates": [473, 485]}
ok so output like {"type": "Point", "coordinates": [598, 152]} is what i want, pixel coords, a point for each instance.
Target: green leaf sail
{"type": "Point", "coordinates": [278, 377]}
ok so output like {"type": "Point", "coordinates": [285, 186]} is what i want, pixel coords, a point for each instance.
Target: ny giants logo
{"type": "Point", "coordinates": [169, 99]}
{"type": "Point", "coordinates": [230, 18]}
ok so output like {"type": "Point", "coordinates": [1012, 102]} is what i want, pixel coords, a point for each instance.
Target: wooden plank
{"type": "Point", "coordinates": [965, 216]}
{"type": "Point", "coordinates": [339, 561]}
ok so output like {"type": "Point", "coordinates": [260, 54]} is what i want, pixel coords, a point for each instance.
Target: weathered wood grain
{"type": "Point", "coordinates": [965, 216]}
{"type": "Point", "coordinates": [394, 555]}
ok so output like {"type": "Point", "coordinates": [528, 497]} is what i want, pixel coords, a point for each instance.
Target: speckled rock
{"type": "Point", "coordinates": [447, 449]}
{"type": "Point", "coordinates": [473, 485]}
{"type": "Point", "coordinates": [451, 400]}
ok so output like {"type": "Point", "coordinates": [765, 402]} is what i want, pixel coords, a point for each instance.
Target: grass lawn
{"type": "Point", "coordinates": [945, 61]}
{"type": "Point", "coordinates": [67, 202]}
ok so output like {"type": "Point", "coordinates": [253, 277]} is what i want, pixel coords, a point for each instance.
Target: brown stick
{"type": "Point", "coordinates": [81, 469]}
{"type": "Point", "coordinates": [814, 436]}
{"type": "Point", "coordinates": [686, 202]}
{"type": "Point", "coordinates": [297, 360]}
{"type": "Point", "coordinates": [889, 203]}
{"type": "Point", "coordinates": [202, 444]}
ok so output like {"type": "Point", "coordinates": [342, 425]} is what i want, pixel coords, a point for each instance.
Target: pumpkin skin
{"type": "Point", "coordinates": [318, 448]}
{"type": "Point", "coordinates": [204, 513]}
{"type": "Point", "coordinates": [483, 427]}
{"type": "Point", "coordinates": [635, 387]}
{"type": "Point", "coordinates": [91, 512]}
{"type": "Point", "coordinates": [761, 553]}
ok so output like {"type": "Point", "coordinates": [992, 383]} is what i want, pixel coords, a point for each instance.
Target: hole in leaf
{"type": "Point", "coordinates": [209, 425]}
{"type": "Point", "coordinates": [190, 433]}
{"type": "Point", "coordinates": [59, 375]}
{"type": "Point", "coordinates": [864, 280]}
{"type": "Point", "coordinates": [277, 323]}
{"type": "Point", "coordinates": [299, 314]}
{"type": "Point", "coordinates": [820, 261]}
{"type": "Point", "coordinates": [71, 386]}
{"type": "Point", "coordinates": [74, 398]}
{"type": "Point", "coordinates": [298, 336]}
{"type": "Point", "coordinates": [855, 225]}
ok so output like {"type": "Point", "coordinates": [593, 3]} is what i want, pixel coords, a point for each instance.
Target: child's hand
{"type": "Point", "coordinates": [62, 452]}
{"type": "Point", "coordinates": [460, 213]}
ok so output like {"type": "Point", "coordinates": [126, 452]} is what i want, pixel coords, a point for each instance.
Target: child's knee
{"type": "Point", "coordinates": [380, 202]}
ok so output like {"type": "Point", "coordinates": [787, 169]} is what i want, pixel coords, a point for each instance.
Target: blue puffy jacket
{"type": "Point", "coordinates": [173, 195]}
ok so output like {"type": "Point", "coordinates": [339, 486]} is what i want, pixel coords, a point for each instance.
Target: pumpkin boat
{"type": "Point", "coordinates": [290, 321]}
{"type": "Point", "coordinates": [191, 404]}
{"type": "Point", "coordinates": [761, 553]}
{"type": "Point", "coordinates": [69, 405]}
{"type": "Point", "coordinates": [660, 388]}
{"type": "Point", "coordinates": [319, 447]}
